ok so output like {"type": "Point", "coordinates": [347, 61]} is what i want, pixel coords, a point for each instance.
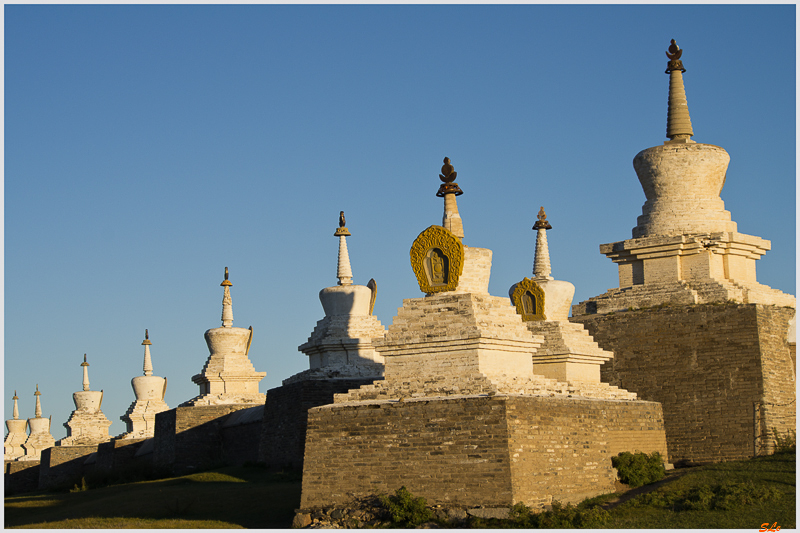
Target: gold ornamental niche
{"type": "Point", "coordinates": [528, 297]}
{"type": "Point", "coordinates": [437, 257]}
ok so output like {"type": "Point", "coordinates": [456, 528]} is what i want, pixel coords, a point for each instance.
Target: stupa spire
{"type": "Point", "coordinates": [227, 303]}
{"type": "Point", "coordinates": [343, 271]}
{"type": "Point", "coordinates": [16, 406]}
{"type": "Point", "coordinates": [679, 125]}
{"type": "Point", "coordinates": [541, 258]}
{"type": "Point", "coordinates": [38, 410]}
{"type": "Point", "coordinates": [449, 189]}
{"type": "Point", "coordinates": [148, 364]}
{"type": "Point", "coordinates": [85, 366]}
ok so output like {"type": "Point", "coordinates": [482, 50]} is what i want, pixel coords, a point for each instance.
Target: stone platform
{"type": "Point", "coordinates": [474, 450]}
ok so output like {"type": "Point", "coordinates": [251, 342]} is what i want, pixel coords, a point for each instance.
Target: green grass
{"type": "Point", "coordinates": [231, 497]}
{"type": "Point", "coordinates": [739, 494]}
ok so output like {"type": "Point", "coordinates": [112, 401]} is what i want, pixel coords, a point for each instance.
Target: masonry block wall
{"type": "Point", "coordinates": [283, 432]}
{"type": "Point", "coordinates": [21, 476]}
{"type": "Point", "coordinates": [191, 437]}
{"type": "Point", "coordinates": [722, 372]}
{"type": "Point", "coordinates": [473, 451]}
{"type": "Point", "coordinates": [116, 454]}
{"type": "Point", "coordinates": [63, 465]}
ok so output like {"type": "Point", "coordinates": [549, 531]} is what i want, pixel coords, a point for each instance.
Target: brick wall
{"type": "Point", "coordinates": [62, 466]}
{"type": "Point", "coordinates": [283, 432]}
{"type": "Point", "coordinates": [116, 453]}
{"type": "Point", "coordinates": [778, 407]}
{"type": "Point", "coordinates": [478, 450]}
{"type": "Point", "coordinates": [21, 476]}
{"type": "Point", "coordinates": [561, 449]}
{"type": "Point", "coordinates": [191, 437]}
{"type": "Point", "coordinates": [710, 366]}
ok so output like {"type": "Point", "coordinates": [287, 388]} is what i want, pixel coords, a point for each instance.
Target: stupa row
{"type": "Point", "coordinates": [471, 399]}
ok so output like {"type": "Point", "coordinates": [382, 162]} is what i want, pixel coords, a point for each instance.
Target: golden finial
{"type": "Point", "coordinates": [37, 393]}
{"type": "Point", "coordinates": [146, 338]}
{"type": "Point", "coordinates": [84, 361]}
{"type": "Point", "coordinates": [341, 230]}
{"type": "Point", "coordinates": [226, 282]}
{"type": "Point", "coordinates": [674, 54]}
{"type": "Point", "coordinates": [448, 177]}
{"type": "Point", "coordinates": [542, 220]}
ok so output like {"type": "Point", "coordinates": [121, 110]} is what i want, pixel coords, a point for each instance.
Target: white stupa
{"type": "Point", "coordinates": [40, 437]}
{"type": "Point", "coordinates": [87, 424]}
{"type": "Point", "coordinates": [228, 376]}
{"type": "Point", "coordinates": [341, 344]}
{"type": "Point", "coordinates": [568, 353]}
{"type": "Point", "coordinates": [17, 434]}
{"type": "Point", "coordinates": [140, 418]}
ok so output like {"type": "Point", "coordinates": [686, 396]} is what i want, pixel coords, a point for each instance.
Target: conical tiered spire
{"type": "Point", "coordinates": [679, 125]}
{"type": "Point", "coordinates": [343, 271]}
{"type": "Point", "coordinates": [449, 190]}
{"type": "Point", "coordinates": [541, 258]}
{"type": "Point", "coordinates": [148, 364]}
{"type": "Point", "coordinates": [140, 418]}
{"type": "Point", "coordinates": [85, 366]}
{"type": "Point", "coordinates": [38, 410]}
{"type": "Point", "coordinates": [16, 406]}
{"type": "Point", "coordinates": [227, 303]}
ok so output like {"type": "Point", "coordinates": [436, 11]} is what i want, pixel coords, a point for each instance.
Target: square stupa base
{"type": "Point", "coordinates": [474, 450]}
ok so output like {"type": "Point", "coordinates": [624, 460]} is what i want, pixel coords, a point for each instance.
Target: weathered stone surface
{"type": "Point", "coordinates": [489, 512]}
{"type": "Point", "coordinates": [62, 466]}
{"type": "Point", "coordinates": [283, 433]}
{"type": "Point", "coordinates": [474, 451]}
{"type": "Point", "coordinates": [192, 437]}
{"type": "Point", "coordinates": [708, 365]}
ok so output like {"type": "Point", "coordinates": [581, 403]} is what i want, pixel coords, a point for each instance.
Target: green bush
{"type": "Point", "coordinates": [406, 510]}
{"type": "Point", "coordinates": [785, 443]}
{"type": "Point", "coordinates": [719, 497]}
{"type": "Point", "coordinates": [559, 516]}
{"type": "Point", "coordinates": [637, 469]}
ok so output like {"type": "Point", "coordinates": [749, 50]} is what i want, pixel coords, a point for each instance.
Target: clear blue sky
{"type": "Point", "coordinates": [148, 147]}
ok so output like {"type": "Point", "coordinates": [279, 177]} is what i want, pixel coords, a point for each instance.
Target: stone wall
{"type": "Point", "coordinates": [116, 453]}
{"type": "Point", "coordinates": [63, 466]}
{"type": "Point", "coordinates": [723, 373]}
{"type": "Point", "coordinates": [191, 437]}
{"type": "Point", "coordinates": [475, 450]}
{"type": "Point", "coordinates": [240, 435]}
{"type": "Point", "coordinates": [21, 476]}
{"type": "Point", "coordinates": [283, 432]}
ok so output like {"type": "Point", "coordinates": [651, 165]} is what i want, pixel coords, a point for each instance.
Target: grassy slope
{"type": "Point", "coordinates": [775, 471]}
{"type": "Point", "coordinates": [252, 498]}
{"type": "Point", "coordinates": [226, 498]}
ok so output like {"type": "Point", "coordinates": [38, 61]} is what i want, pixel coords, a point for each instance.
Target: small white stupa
{"type": "Point", "coordinates": [341, 344]}
{"type": "Point", "coordinates": [17, 434]}
{"type": "Point", "coordinates": [569, 353]}
{"type": "Point", "coordinates": [228, 376]}
{"type": "Point", "coordinates": [140, 418]}
{"type": "Point", "coordinates": [87, 424]}
{"type": "Point", "coordinates": [40, 437]}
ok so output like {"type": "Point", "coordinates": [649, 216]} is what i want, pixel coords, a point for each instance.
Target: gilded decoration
{"type": "Point", "coordinates": [437, 257]}
{"type": "Point", "coordinates": [528, 297]}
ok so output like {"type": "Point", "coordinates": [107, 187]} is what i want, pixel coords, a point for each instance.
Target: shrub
{"type": "Point", "coordinates": [559, 516]}
{"type": "Point", "coordinates": [405, 509]}
{"type": "Point", "coordinates": [637, 469]}
{"type": "Point", "coordinates": [723, 497]}
{"type": "Point", "coordinates": [83, 487]}
{"type": "Point", "coordinates": [785, 443]}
